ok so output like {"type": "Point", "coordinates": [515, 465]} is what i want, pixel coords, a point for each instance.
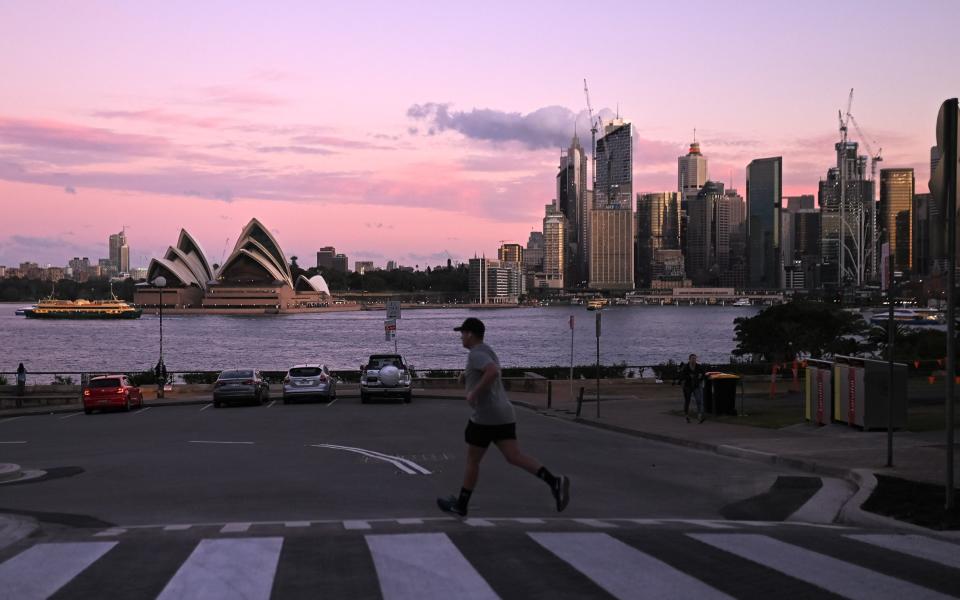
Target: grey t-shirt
{"type": "Point", "coordinates": [493, 407]}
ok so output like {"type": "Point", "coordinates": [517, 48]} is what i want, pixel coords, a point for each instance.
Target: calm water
{"type": "Point", "coordinates": [636, 335]}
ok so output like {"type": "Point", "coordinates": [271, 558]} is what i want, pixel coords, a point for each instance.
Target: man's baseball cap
{"type": "Point", "coordinates": [473, 325]}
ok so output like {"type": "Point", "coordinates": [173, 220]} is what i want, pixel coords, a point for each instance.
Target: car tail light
{"type": "Point", "coordinates": [286, 379]}
{"type": "Point", "coordinates": [323, 377]}
{"type": "Point", "coordinates": [119, 390]}
{"type": "Point", "coordinates": [86, 392]}
{"type": "Point", "coordinates": [249, 382]}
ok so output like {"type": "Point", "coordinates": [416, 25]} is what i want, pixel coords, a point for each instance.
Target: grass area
{"type": "Point", "coordinates": [926, 418]}
{"type": "Point", "coordinates": [770, 416]}
{"type": "Point", "coordinates": [918, 503]}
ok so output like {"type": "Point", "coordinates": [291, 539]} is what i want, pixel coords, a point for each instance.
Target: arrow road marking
{"type": "Point", "coordinates": [407, 466]}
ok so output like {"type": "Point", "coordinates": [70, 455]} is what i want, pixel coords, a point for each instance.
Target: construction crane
{"type": "Point", "coordinates": [593, 135]}
{"type": "Point", "coordinates": [224, 251]}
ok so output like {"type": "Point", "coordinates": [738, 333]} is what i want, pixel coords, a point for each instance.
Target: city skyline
{"type": "Point", "coordinates": [120, 111]}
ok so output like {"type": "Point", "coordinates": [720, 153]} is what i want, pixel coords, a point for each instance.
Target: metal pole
{"type": "Point", "coordinates": [950, 162]}
{"type": "Point", "coordinates": [571, 361]}
{"type": "Point", "coordinates": [161, 324]}
{"type": "Point", "coordinates": [598, 376]}
{"type": "Point", "coordinates": [891, 332]}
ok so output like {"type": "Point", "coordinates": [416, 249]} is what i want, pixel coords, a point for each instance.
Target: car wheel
{"type": "Point", "coordinates": [363, 398]}
{"type": "Point", "coordinates": [88, 411]}
{"type": "Point", "coordinates": [217, 404]}
{"type": "Point", "coordinates": [408, 398]}
{"type": "Point", "coordinates": [126, 404]}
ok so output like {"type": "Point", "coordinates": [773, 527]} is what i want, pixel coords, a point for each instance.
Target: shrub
{"type": "Point", "coordinates": [143, 378]}
{"type": "Point", "coordinates": [3, 380]}
{"type": "Point", "coordinates": [63, 380]}
{"type": "Point", "coordinates": [200, 377]}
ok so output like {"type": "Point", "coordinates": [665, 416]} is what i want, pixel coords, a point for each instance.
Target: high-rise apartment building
{"type": "Point", "coordinates": [533, 254]}
{"type": "Point", "coordinates": [709, 228]}
{"type": "Point", "coordinates": [120, 252]}
{"type": "Point", "coordinates": [363, 266]}
{"type": "Point", "coordinates": [325, 257]}
{"type": "Point", "coordinates": [764, 201]}
{"type": "Point", "coordinates": [572, 201]}
{"type": "Point", "coordinates": [657, 228]}
{"type": "Point", "coordinates": [510, 253]}
{"type": "Point", "coordinates": [554, 246]}
{"type": "Point", "coordinates": [691, 172]}
{"type": "Point", "coordinates": [928, 236]}
{"type": "Point", "coordinates": [896, 215]}
{"type": "Point", "coordinates": [494, 282]}
{"type": "Point", "coordinates": [614, 165]}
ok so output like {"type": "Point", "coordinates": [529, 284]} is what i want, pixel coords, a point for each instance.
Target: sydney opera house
{"type": "Point", "coordinates": [256, 278]}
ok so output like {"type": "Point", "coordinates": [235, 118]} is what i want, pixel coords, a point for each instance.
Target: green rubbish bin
{"type": "Point", "coordinates": [720, 393]}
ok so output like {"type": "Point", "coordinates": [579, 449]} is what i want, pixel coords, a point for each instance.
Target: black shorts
{"type": "Point", "coordinates": [482, 435]}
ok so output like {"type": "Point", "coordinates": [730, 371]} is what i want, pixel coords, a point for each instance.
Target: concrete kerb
{"type": "Point", "coordinates": [15, 528]}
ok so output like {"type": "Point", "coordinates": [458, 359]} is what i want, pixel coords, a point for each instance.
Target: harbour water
{"type": "Point", "coordinates": [635, 335]}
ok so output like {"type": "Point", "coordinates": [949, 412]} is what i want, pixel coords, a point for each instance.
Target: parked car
{"type": "Point", "coordinates": [304, 382]}
{"type": "Point", "coordinates": [385, 376]}
{"type": "Point", "coordinates": [240, 385]}
{"type": "Point", "coordinates": [111, 391]}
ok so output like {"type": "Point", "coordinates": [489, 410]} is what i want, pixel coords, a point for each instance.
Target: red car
{"type": "Point", "coordinates": [111, 391]}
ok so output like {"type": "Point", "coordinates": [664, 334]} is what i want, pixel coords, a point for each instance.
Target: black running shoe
{"type": "Point", "coordinates": [452, 506]}
{"type": "Point", "coordinates": [561, 492]}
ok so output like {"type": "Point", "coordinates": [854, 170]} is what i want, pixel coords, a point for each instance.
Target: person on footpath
{"type": "Point", "coordinates": [493, 421]}
{"type": "Point", "coordinates": [21, 384]}
{"type": "Point", "coordinates": [692, 375]}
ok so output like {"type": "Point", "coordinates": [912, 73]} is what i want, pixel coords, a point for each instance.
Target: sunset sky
{"type": "Point", "coordinates": [422, 131]}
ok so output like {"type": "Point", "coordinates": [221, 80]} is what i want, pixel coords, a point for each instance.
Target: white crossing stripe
{"type": "Point", "coordinates": [426, 566]}
{"type": "Point", "coordinates": [113, 531]}
{"type": "Point", "coordinates": [176, 527]}
{"type": "Point", "coordinates": [836, 576]}
{"type": "Point", "coordinates": [356, 525]}
{"type": "Point", "coordinates": [526, 521]}
{"type": "Point", "coordinates": [478, 523]}
{"type": "Point", "coordinates": [45, 568]}
{"type": "Point", "coordinates": [597, 523]}
{"type": "Point", "coordinates": [235, 528]}
{"type": "Point", "coordinates": [410, 521]}
{"type": "Point", "coordinates": [297, 524]}
{"type": "Point", "coordinates": [227, 569]}
{"type": "Point", "coordinates": [709, 523]}
{"type": "Point", "coordinates": [926, 548]}
{"type": "Point", "coordinates": [623, 571]}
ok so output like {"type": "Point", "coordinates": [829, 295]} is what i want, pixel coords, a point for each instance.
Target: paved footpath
{"type": "Point", "coordinates": [428, 559]}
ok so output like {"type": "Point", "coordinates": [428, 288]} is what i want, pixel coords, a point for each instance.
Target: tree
{"type": "Point", "coordinates": [800, 328]}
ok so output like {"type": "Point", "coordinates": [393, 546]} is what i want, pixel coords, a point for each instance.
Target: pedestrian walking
{"type": "Point", "coordinates": [493, 421]}
{"type": "Point", "coordinates": [692, 376]}
{"type": "Point", "coordinates": [21, 384]}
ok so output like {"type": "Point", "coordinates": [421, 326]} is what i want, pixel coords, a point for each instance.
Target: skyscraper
{"type": "Point", "coordinates": [859, 238]}
{"type": "Point", "coordinates": [554, 245]}
{"type": "Point", "coordinates": [614, 186]}
{"type": "Point", "coordinates": [120, 252]}
{"type": "Point", "coordinates": [658, 228]}
{"type": "Point", "coordinates": [896, 215]}
{"type": "Point", "coordinates": [764, 201]}
{"type": "Point", "coordinates": [691, 172]}
{"type": "Point", "coordinates": [533, 254]}
{"type": "Point", "coordinates": [709, 228]}
{"type": "Point", "coordinates": [802, 202]}
{"type": "Point", "coordinates": [572, 202]}
{"type": "Point", "coordinates": [325, 257]}
{"type": "Point", "coordinates": [928, 234]}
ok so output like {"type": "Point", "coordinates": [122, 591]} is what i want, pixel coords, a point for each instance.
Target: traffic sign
{"type": "Point", "coordinates": [393, 309]}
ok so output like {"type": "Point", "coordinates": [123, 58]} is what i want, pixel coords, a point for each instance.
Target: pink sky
{"type": "Point", "coordinates": [417, 135]}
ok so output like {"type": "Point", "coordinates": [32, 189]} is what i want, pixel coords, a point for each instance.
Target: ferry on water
{"type": "Point", "coordinates": [596, 304]}
{"type": "Point", "coordinates": [743, 302]}
{"type": "Point", "coordinates": [82, 309]}
{"type": "Point", "coordinates": [909, 316]}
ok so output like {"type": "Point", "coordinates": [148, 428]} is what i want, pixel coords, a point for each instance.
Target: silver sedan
{"type": "Point", "coordinates": [309, 381]}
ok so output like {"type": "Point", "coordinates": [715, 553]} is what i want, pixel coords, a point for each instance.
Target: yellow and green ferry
{"type": "Point", "coordinates": [83, 309]}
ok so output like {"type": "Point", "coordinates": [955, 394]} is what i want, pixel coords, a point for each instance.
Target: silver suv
{"type": "Point", "coordinates": [385, 376]}
{"type": "Point", "coordinates": [309, 381]}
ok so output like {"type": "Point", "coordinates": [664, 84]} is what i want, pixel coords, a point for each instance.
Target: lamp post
{"type": "Point", "coordinates": [161, 370]}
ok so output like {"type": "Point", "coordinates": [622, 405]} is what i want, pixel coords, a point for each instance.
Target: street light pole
{"type": "Point", "coordinates": [160, 283]}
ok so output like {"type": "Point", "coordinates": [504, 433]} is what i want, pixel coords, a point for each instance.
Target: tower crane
{"type": "Point", "coordinates": [593, 134]}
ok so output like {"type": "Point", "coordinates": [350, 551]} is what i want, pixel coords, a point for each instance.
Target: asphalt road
{"type": "Point", "coordinates": [193, 464]}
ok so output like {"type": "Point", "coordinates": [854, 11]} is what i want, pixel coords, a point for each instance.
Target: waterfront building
{"type": "Point", "coordinates": [510, 252]}
{"type": "Point", "coordinates": [657, 228]}
{"type": "Point", "coordinates": [764, 201]}
{"type": "Point", "coordinates": [494, 281]}
{"type": "Point", "coordinates": [611, 247]}
{"type": "Point", "coordinates": [572, 202]}
{"type": "Point", "coordinates": [255, 278]}
{"type": "Point", "coordinates": [860, 238]}
{"type": "Point", "coordinates": [363, 266]}
{"type": "Point", "coordinates": [896, 215]}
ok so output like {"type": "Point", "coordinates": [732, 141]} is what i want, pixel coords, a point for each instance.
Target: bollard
{"type": "Point", "coordinates": [579, 400]}
{"type": "Point", "coordinates": [549, 394]}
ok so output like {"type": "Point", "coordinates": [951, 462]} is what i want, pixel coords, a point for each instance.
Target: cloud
{"type": "Point", "coordinates": [70, 189]}
{"type": "Point", "coordinates": [548, 127]}
{"type": "Point", "coordinates": [294, 150]}
{"type": "Point", "coordinates": [58, 137]}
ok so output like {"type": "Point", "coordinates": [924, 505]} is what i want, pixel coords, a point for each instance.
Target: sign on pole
{"type": "Point", "coordinates": [390, 329]}
{"type": "Point", "coordinates": [393, 309]}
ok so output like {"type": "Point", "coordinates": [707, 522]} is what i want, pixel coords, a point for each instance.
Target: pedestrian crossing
{"type": "Point", "coordinates": [487, 564]}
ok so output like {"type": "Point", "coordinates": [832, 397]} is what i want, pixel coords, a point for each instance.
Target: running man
{"type": "Point", "coordinates": [493, 420]}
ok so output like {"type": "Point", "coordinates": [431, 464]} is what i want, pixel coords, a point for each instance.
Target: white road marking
{"type": "Point", "coordinates": [225, 569]}
{"type": "Point", "coordinates": [356, 525]}
{"type": "Point", "coordinates": [71, 415]}
{"type": "Point", "coordinates": [10, 419]}
{"type": "Point", "coordinates": [176, 527]}
{"type": "Point", "coordinates": [526, 521]}
{"type": "Point", "coordinates": [235, 528]}
{"type": "Point", "coordinates": [206, 407]}
{"type": "Point", "coordinates": [406, 465]}
{"type": "Point", "coordinates": [596, 523]}
{"type": "Point", "coordinates": [919, 546]}
{"type": "Point", "coordinates": [297, 524]}
{"type": "Point", "coordinates": [710, 524]}
{"type": "Point", "coordinates": [478, 523]}
{"type": "Point", "coordinates": [215, 442]}
{"type": "Point", "coordinates": [272, 402]}
{"type": "Point", "coordinates": [112, 532]}
{"type": "Point", "coordinates": [12, 442]}
{"type": "Point", "coordinates": [410, 521]}
{"type": "Point", "coordinates": [331, 402]}
{"type": "Point", "coordinates": [647, 521]}
{"type": "Point", "coordinates": [426, 566]}
{"type": "Point", "coordinates": [43, 569]}
{"type": "Point", "coordinates": [635, 573]}
{"type": "Point", "coordinates": [833, 575]}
